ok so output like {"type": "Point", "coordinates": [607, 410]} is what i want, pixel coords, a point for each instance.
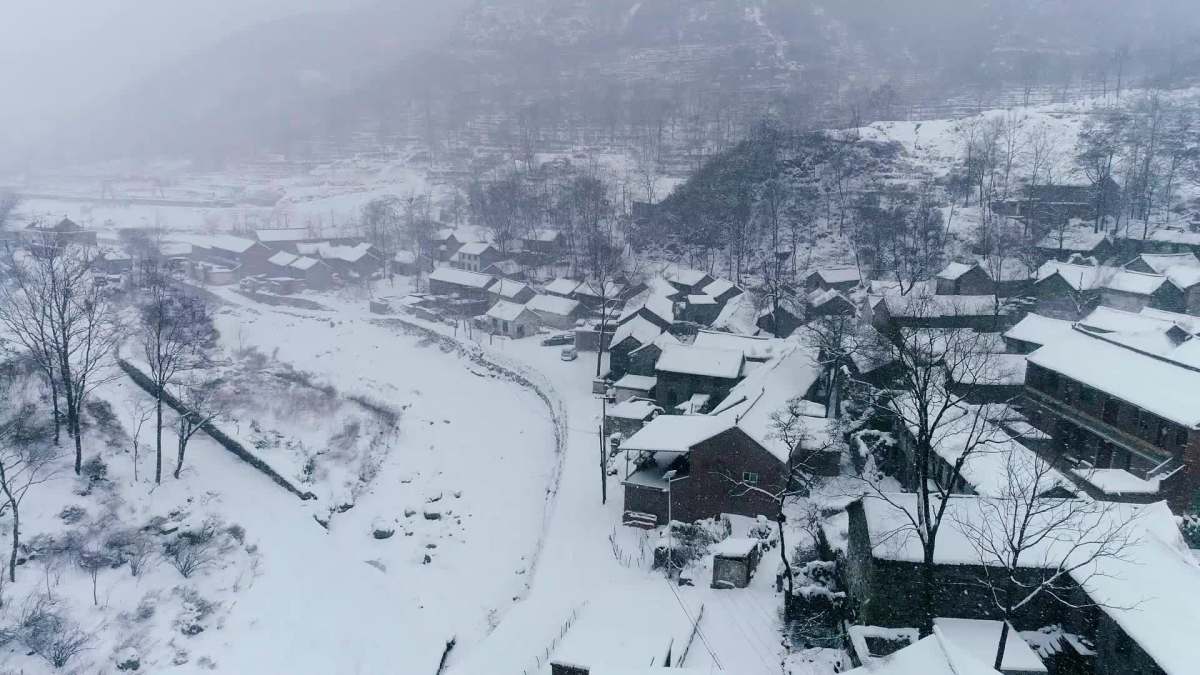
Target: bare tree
{"type": "Point", "coordinates": [176, 330]}
{"type": "Point", "coordinates": [932, 411]}
{"type": "Point", "coordinates": [22, 468]}
{"type": "Point", "coordinates": [1029, 544]}
{"type": "Point", "coordinates": [200, 402]}
{"type": "Point", "coordinates": [83, 331]}
{"type": "Point", "coordinates": [137, 415]}
{"type": "Point", "coordinates": [835, 340]}
{"type": "Point", "coordinates": [25, 312]}
{"type": "Point", "coordinates": [9, 201]}
{"type": "Point", "coordinates": [382, 222]}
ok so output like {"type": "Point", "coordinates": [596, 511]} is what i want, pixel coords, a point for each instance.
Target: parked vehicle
{"type": "Point", "coordinates": [568, 354]}
{"type": "Point", "coordinates": [560, 339]}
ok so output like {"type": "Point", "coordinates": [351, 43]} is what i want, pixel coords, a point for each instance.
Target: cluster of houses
{"type": "Point", "coordinates": [1094, 369]}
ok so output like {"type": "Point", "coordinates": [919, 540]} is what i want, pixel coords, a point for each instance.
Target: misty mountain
{"type": "Point", "coordinates": [532, 73]}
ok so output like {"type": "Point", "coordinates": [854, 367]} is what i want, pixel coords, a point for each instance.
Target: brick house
{"type": "Point", "coordinates": [656, 309]}
{"type": "Point", "coordinates": [687, 282]}
{"type": "Point", "coordinates": [512, 291]}
{"type": "Point", "coordinates": [443, 244]}
{"type": "Point", "coordinates": [1075, 241]}
{"type": "Point", "coordinates": [246, 256]}
{"type": "Point", "coordinates": [1183, 271]}
{"type": "Point", "coordinates": [685, 372]}
{"type": "Point", "coordinates": [828, 303]}
{"type": "Point", "coordinates": [1033, 331]}
{"type": "Point", "coordinates": [722, 290]}
{"type": "Point", "coordinates": [545, 242]}
{"type": "Point", "coordinates": [1137, 611]}
{"type": "Point", "coordinates": [708, 454]}
{"type": "Point", "coordinates": [890, 311]}
{"type": "Point", "coordinates": [629, 337]}
{"type": "Point", "coordinates": [1124, 419]}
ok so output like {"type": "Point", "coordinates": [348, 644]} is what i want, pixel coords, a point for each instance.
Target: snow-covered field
{"type": "Point", "coordinates": [464, 488]}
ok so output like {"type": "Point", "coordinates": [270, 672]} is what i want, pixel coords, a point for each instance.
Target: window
{"type": "Point", "coordinates": [750, 478]}
{"type": "Point", "coordinates": [1181, 436]}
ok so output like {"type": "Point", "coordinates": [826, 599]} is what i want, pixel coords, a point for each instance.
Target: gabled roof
{"type": "Point", "coordinates": [1078, 277]}
{"type": "Point", "coordinates": [224, 242]}
{"type": "Point", "coordinates": [1161, 262]}
{"type": "Point", "coordinates": [931, 655]}
{"type": "Point", "coordinates": [474, 248]}
{"type": "Point", "coordinates": [767, 390]}
{"type": "Point", "coordinates": [758, 348]}
{"type": "Point", "coordinates": [720, 287]}
{"type": "Point", "coordinates": [955, 270]}
{"type": "Point", "coordinates": [1156, 384]}
{"type": "Point", "coordinates": [1037, 329]}
{"type": "Point", "coordinates": [687, 277]}
{"type": "Point", "coordinates": [1074, 239]}
{"type": "Point", "coordinates": [508, 289]}
{"type": "Point", "coordinates": [656, 305]}
{"type": "Point", "coordinates": [459, 277]}
{"type": "Point", "coordinates": [739, 315]}
{"type": "Point", "coordinates": [838, 275]}
{"type": "Point", "coordinates": [689, 360]}
{"type": "Point", "coordinates": [640, 329]}
{"type": "Point", "coordinates": [633, 409]}
{"type": "Point", "coordinates": [676, 433]}
{"type": "Point", "coordinates": [562, 286]}
{"type": "Point", "coordinates": [283, 259]}
{"type": "Point", "coordinates": [930, 306]}
{"type": "Point", "coordinates": [636, 382]}
{"type": "Point", "coordinates": [304, 263]}
{"type": "Point", "coordinates": [1176, 237]}
{"type": "Point", "coordinates": [551, 304]}
{"type": "Point", "coordinates": [1149, 589]}
{"type": "Point", "coordinates": [1137, 283]}
{"type": "Point", "coordinates": [506, 311]}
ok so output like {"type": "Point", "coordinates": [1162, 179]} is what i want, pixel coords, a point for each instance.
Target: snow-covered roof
{"type": "Point", "coordinates": [552, 304]}
{"type": "Point", "coordinates": [1191, 323]}
{"type": "Point", "coordinates": [543, 235]}
{"type": "Point", "coordinates": [282, 234]}
{"type": "Point", "coordinates": [1184, 277]}
{"type": "Point", "coordinates": [981, 638]}
{"type": "Point", "coordinates": [1161, 262]}
{"type": "Point", "coordinates": [1078, 277]}
{"type": "Point", "coordinates": [633, 409]}
{"type": "Point", "coordinates": [225, 242]}
{"type": "Point", "coordinates": [651, 303]}
{"type": "Point", "coordinates": [719, 287]}
{"type": "Point", "coordinates": [931, 655]}
{"type": "Point", "coordinates": [929, 306]}
{"type": "Point", "coordinates": [690, 360]}
{"type": "Point", "coordinates": [701, 300]}
{"type": "Point", "coordinates": [591, 289]}
{"type": "Point", "coordinates": [562, 286]}
{"type": "Point", "coordinates": [303, 263]}
{"type": "Point", "coordinates": [994, 456]}
{"type": "Point", "coordinates": [405, 257]}
{"type": "Point", "coordinates": [1037, 329]}
{"type": "Point", "coordinates": [954, 270]}
{"type": "Point", "coordinates": [1137, 283]}
{"type": "Point", "coordinates": [1169, 390]}
{"type": "Point", "coordinates": [1116, 482]}
{"type": "Point", "coordinates": [508, 289]}
{"type": "Point", "coordinates": [995, 370]}
{"type": "Point", "coordinates": [506, 311]}
{"type": "Point", "coordinates": [736, 547]}
{"type": "Point", "coordinates": [636, 382]}
{"type": "Point", "coordinates": [756, 348]}
{"type": "Point", "coordinates": [819, 298]}
{"type": "Point", "coordinates": [767, 390]}
{"type": "Point", "coordinates": [283, 259]}
{"type": "Point", "coordinates": [1073, 239]}
{"type": "Point", "coordinates": [676, 433]}
{"type": "Point", "coordinates": [687, 277]}
{"type": "Point", "coordinates": [739, 315]}
{"type": "Point", "coordinates": [474, 248]}
{"type": "Point", "coordinates": [838, 275]}
{"type": "Point", "coordinates": [1176, 237]}
{"type": "Point", "coordinates": [451, 275]}
{"type": "Point", "coordinates": [638, 328]}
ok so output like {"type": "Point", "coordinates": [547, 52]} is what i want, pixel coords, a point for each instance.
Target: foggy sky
{"type": "Point", "coordinates": [58, 55]}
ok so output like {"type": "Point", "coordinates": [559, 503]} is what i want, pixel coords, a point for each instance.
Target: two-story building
{"type": "Point", "coordinates": [1123, 410]}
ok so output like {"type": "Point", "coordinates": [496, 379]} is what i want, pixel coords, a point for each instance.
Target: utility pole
{"type": "Point", "coordinates": [603, 452]}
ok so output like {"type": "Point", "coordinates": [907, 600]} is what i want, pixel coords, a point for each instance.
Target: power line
{"type": "Point", "coordinates": [695, 623]}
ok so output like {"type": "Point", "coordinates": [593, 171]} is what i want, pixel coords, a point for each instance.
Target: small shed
{"type": "Point", "coordinates": [963, 279]}
{"type": "Point", "coordinates": [634, 386]}
{"type": "Point", "coordinates": [734, 562]}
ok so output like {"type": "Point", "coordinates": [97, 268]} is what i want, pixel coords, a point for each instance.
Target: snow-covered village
{"type": "Point", "coordinates": [521, 337]}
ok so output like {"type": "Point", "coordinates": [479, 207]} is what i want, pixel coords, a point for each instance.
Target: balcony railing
{"type": "Point", "coordinates": [1164, 462]}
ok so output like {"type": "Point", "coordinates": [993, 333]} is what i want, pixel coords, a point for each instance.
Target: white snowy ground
{"type": "Point", "coordinates": [577, 563]}
{"type": "Point", "coordinates": [477, 451]}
